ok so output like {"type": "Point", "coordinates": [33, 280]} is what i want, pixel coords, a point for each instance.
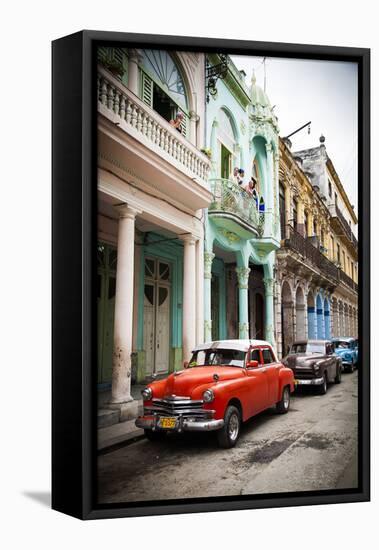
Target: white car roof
{"type": "Point", "coordinates": [241, 345]}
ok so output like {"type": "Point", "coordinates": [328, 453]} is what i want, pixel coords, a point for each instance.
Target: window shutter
{"type": "Point", "coordinates": [147, 90]}
{"type": "Point", "coordinates": [184, 126]}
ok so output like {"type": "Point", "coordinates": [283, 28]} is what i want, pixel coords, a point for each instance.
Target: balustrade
{"type": "Point", "coordinates": [149, 125]}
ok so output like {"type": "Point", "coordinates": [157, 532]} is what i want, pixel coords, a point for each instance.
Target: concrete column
{"type": "Point", "coordinates": [269, 310]}
{"type": "Point", "coordinates": [243, 286]}
{"type": "Point", "coordinates": [310, 225]}
{"type": "Point", "coordinates": [288, 203]}
{"type": "Point", "coordinates": [123, 318]}
{"type": "Point", "coordinates": [133, 71]}
{"type": "Point", "coordinates": [208, 258]}
{"type": "Point", "coordinates": [300, 218]}
{"type": "Point", "coordinates": [189, 296]}
{"type": "Point", "coordinates": [320, 323]}
{"type": "Point", "coordinates": [278, 317]}
{"type": "Point", "coordinates": [193, 119]}
{"type": "Point", "coordinates": [200, 291]}
{"type": "Point", "coordinates": [327, 324]}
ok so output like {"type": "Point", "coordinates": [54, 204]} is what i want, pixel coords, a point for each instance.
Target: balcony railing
{"type": "Point", "coordinates": [336, 213]}
{"type": "Point", "coordinates": [348, 280]}
{"type": "Point", "coordinates": [129, 112]}
{"type": "Point", "coordinates": [229, 197]}
{"type": "Point", "coordinates": [304, 246]}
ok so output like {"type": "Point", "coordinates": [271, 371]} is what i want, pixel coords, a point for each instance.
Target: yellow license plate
{"type": "Point", "coordinates": [169, 423]}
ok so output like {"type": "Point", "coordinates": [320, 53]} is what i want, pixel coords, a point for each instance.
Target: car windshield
{"type": "Point", "coordinates": [340, 344]}
{"type": "Point", "coordinates": [222, 357]}
{"type": "Point", "coordinates": [308, 348]}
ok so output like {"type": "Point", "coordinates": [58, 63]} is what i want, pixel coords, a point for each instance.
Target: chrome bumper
{"type": "Point", "coordinates": [311, 382]}
{"type": "Point", "coordinates": [182, 424]}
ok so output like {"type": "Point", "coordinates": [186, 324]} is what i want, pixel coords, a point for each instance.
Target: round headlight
{"type": "Point", "coordinates": [208, 396]}
{"type": "Point", "coordinates": [147, 394]}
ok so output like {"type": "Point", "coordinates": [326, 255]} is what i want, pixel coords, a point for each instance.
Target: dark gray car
{"type": "Point", "coordinates": [314, 363]}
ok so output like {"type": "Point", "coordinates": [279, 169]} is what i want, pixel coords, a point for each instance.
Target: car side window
{"type": "Point", "coordinates": [267, 356]}
{"type": "Point", "coordinates": [329, 349]}
{"type": "Point", "coordinates": [255, 355]}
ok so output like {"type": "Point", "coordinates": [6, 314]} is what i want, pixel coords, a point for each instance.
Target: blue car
{"type": "Point", "coordinates": [347, 349]}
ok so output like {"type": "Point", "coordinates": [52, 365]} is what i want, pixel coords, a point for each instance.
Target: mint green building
{"type": "Point", "coordinates": [242, 232]}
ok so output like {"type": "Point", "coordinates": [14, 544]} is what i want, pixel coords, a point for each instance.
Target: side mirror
{"type": "Point", "coordinates": [185, 364]}
{"type": "Point", "coordinates": [252, 364]}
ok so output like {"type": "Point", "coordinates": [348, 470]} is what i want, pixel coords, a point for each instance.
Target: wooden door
{"type": "Point", "coordinates": [157, 318]}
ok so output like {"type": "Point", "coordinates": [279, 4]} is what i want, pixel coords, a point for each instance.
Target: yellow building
{"type": "Point", "coordinates": [316, 266]}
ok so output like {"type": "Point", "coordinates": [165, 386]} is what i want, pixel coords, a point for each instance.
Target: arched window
{"type": "Point", "coordinates": [162, 85]}
{"type": "Point", "coordinates": [255, 176]}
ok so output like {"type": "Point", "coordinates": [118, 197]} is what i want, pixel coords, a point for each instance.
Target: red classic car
{"type": "Point", "coordinates": [225, 383]}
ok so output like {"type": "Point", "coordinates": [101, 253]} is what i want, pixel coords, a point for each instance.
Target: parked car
{"type": "Point", "coordinates": [225, 383]}
{"type": "Point", "coordinates": [314, 363]}
{"type": "Point", "coordinates": [347, 350]}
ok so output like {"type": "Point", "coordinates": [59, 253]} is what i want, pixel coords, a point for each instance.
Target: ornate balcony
{"type": "Point", "coordinates": [348, 281]}
{"type": "Point", "coordinates": [145, 143]}
{"type": "Point", "coordinates": [232, 206]}
{"type": "Point", "coordinates": [312, 255]}
{"type": "Point", "coordinates": [341, 224]}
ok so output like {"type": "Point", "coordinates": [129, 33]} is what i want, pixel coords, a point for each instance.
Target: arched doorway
{"type": "Point", "coordinates": [259, 316]}
{"type": "Point", "coordinates": [320, 318]}
{"type": "Point", "coordinates": [300, 314]}
{"type": "Point", "coordinates": [346, 320]}
{"type": "Point", "coordinates": [327, 318]}
{"type": "Point", "coordinates": [287, 318]}
{"type": "Point", "coordinates": [311, 316]}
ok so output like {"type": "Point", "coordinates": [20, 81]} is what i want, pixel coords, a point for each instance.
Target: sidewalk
{"type": "Point", "coordinates": [110, 430]}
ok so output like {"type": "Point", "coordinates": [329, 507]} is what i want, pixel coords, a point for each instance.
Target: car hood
{"type": "Point", "coordinates": [184, 382]}
{"type": "Point", "coordinates": [344, 352]}
{"type": "Point", "coordinates": [302, 360]}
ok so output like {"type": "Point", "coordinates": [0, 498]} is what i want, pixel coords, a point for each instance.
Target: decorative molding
{"type": "Point", "coordinates": [231, 237]}
{"type": "Point", "coordinates": [243, 277]}
{"type": "Point", "coordinates": [208, 259]}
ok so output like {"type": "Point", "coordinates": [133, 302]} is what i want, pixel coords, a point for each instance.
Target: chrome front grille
{"type": "Point", "coordinates": [178, 406]}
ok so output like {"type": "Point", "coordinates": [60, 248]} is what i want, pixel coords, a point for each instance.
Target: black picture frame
{"type": "Point", "coordinates": [74, 232]}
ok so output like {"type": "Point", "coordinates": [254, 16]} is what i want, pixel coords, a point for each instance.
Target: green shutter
{"type": "Point", "coordinates": [147, 89]}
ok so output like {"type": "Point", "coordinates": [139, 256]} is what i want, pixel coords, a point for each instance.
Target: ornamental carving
{"type": "Point", "coordinates": [208, 259]}
{"type": "Point", "coordinates": [243, 277]}
{"type": "Point", "coordinates": [230, 236]}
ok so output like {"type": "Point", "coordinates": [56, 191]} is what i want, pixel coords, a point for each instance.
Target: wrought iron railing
{"type": "Point", "coordinates": [348, 280]}
{"type": "Point", "coordinates": [336, 213]}
{"type": "Point", "coordinates": [304, 246]}
{"type": "Point", "coordinates": [230, 197]}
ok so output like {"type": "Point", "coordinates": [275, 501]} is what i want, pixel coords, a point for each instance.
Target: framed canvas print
{"type": "Point", "coordinates": [210, 274]}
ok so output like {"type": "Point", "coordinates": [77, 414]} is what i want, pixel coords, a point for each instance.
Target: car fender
{"type": "Point", "coordinates": [286, 378]}
{"type": "Point", "coordinates": [224, 392]}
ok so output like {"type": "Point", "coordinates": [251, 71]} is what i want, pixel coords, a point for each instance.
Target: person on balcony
{"type": "Point", "coordinates": [240, 176]}
{"type": "Point", "coordinates": [176, 123]}
{"type": "Point", "coordinates": [235, 174]}
{"type": "Point", "coordinates": [251, 190]}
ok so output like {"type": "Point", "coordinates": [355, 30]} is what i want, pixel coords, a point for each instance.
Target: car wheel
{"type": "Point", "coordinates": [283, 405]}
{"type": "Point", "coordinates": [154, 435]}
{"type": "Point", "coordinates": [351, 368]}
{"type": "Point", "coordinates": [338, 377]}
{"type": "Point", "coordinates": [324, 386]}
{"type": "Point", "coordinates": [228, 435]}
